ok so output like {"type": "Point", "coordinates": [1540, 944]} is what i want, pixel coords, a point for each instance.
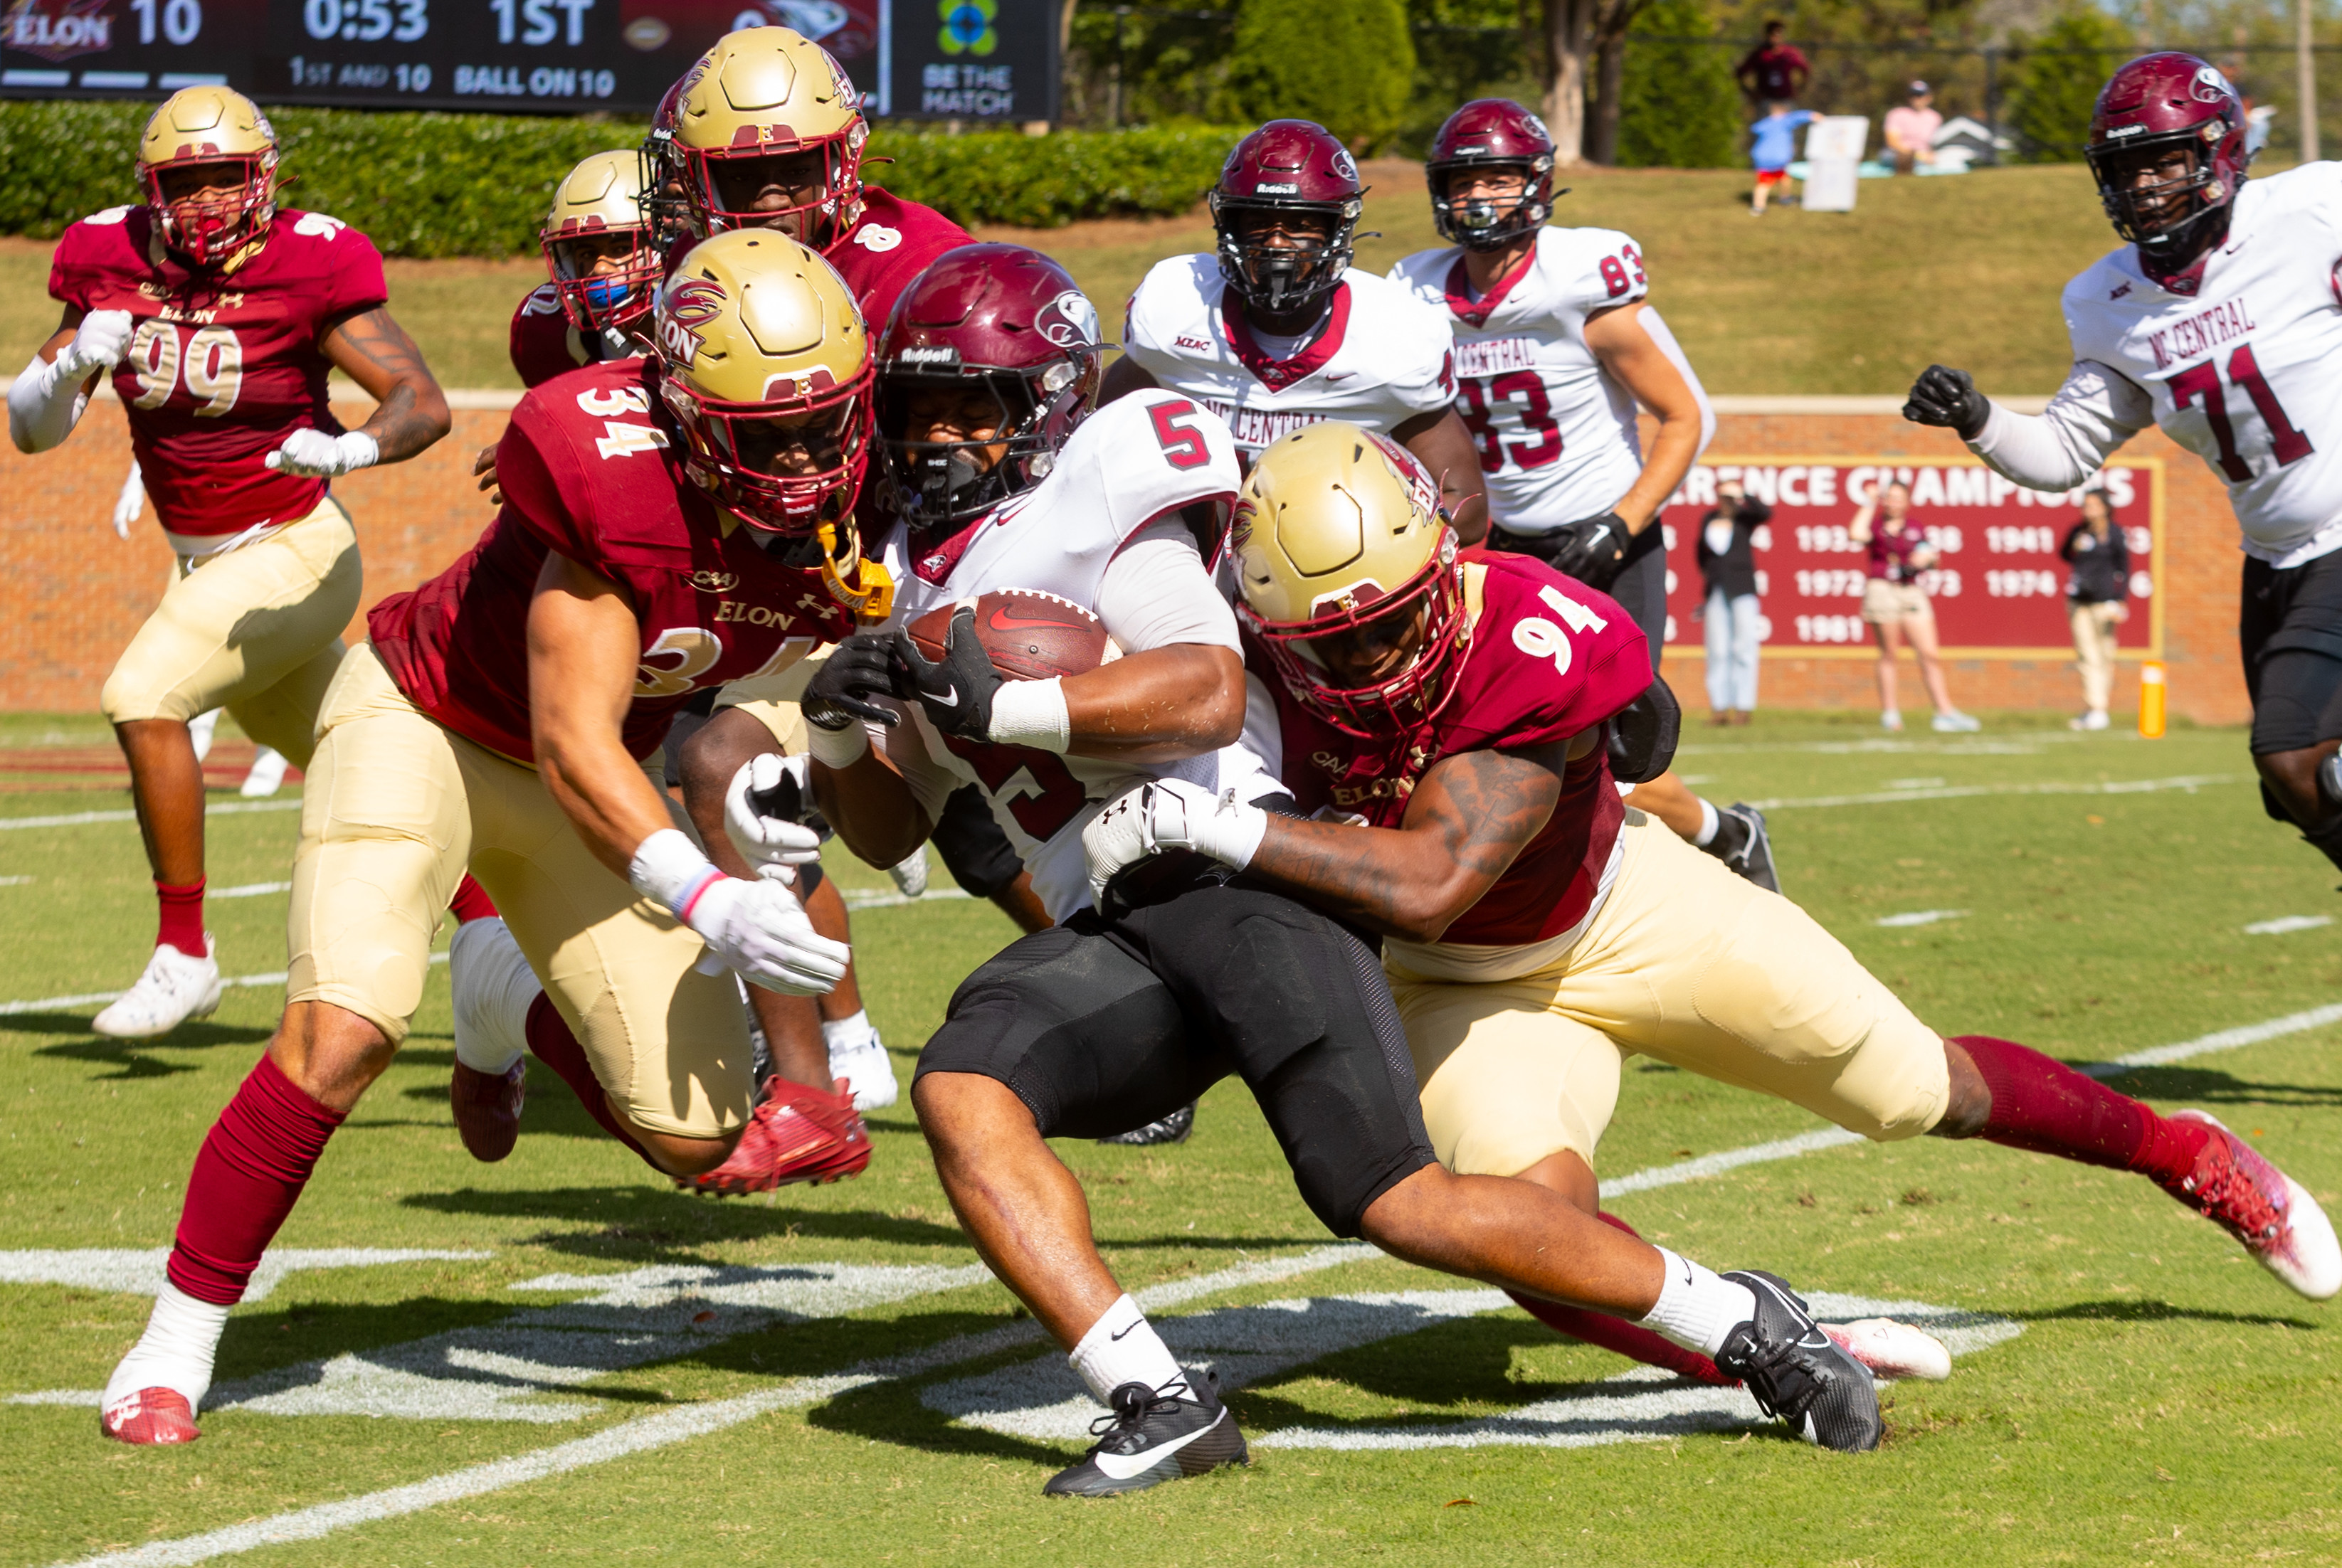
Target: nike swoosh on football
{"type": "Point", "coordinates": [1123, 1466]}
{"type": "Point", "coordinates": [1002, 621]}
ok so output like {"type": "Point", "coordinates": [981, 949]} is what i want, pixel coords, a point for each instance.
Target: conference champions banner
{"type": "Point", "coordinates": [1998, 587]}
{"type": "Point", "coordinates": [971, 60]}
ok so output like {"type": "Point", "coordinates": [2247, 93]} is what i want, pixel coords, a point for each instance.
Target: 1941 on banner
{"type": "Point", "coordinates": [1998, 587]}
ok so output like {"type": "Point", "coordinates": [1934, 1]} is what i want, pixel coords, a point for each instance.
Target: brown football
{"type": "Point", "coordinates": [1030, 634]}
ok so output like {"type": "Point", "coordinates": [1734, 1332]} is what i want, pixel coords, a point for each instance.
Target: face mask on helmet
{"type": "Point", "coordinates": [958, 445]}
{"type": "Point", "coordinates": [809, 194]}
{"type": "Point", "coordinates": [1380, 665]}
{"type": "Point", "coordinates": [1486, 206]}
{"type": "Point", "coordinates": [783, 474]}
{"type": "Point", "coordinates": [1283, 256]}
{"type": "Point", "coordinates": [604, 278]}
{"type": "Point", "coordinates": [2157, 189]}
{"type": "Point", "coordinates": [209, 210]}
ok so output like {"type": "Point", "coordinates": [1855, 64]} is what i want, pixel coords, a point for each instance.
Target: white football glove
{"type": "Point", "coordinates": [759, 931]}
{"type": "Point", "coordinates": [779, 843]}
{"type": "Point", "coordinates": [313, 454]}
{"type": "Point", "coordinates": [99, 342]}
{"type": "Point", "coordinates": [130, 504]}
{"type": "Point", "coordinates": [1170, 813]}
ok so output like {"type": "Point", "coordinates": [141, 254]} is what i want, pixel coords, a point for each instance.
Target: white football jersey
{"type": "Point", "coordinates": [1139, 459]}
{"type": "Point", "coordinates": [1557, 433]}
{"type": "Point", "coordinates": [2245, 371]}
{"type": "Point", "coordinates": [1382, 358]}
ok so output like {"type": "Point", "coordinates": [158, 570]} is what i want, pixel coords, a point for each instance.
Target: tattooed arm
{"type": "Point", "coordinates": [376, 352]}
{"type": "Point", "coordinates": [1470, 816]}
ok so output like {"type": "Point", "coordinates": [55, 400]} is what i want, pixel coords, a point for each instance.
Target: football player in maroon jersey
{"type": "Point", "coordinates": [497, 717]}
{"type": "Point", "coordinates": [794, 165]}
{"type": "Point", "coordinates": [1534, 932]}
{"type": "Point", "coordinates": [219, 317]}
{"type": "Point", "coordinates": [601, 266]}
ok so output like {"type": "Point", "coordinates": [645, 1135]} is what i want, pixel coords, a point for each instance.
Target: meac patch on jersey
{"type": "Point", "coordinates": [2243, 372]}
{"type": "Point", "coordinates": [1382, 358]}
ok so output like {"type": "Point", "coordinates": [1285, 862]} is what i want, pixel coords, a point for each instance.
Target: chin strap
{"type": "Point", "coordinates": [862, 585]}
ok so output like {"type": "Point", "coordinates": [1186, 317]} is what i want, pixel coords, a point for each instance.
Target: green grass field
{"type": "Point", "coordinates": [1968, 269]}
{"type": "Point", "coordinates": [666, 1378]}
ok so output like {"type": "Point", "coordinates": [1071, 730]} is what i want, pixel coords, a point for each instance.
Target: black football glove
{"type": "Point", "coordinates": [839, 694]}
{"type": "Point", "coordinates": [1593, 550]}
{"type": "Point", "coordinates": [1947, 399]}
{"type": "Point", "coordinates": [957, 689]}
{"type": "Point", "coordinates": [1643, 734]}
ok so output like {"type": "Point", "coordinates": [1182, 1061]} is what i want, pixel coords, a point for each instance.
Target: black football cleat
{"type": "Point", "coordinates": [1752, 858]}
{"type": "Point", "coordinates": [1799, 1373]}
{"type": "Point", "coordinates": [1154, 1435]}
{"type": "Point", "coordinates": [1174, 1128]}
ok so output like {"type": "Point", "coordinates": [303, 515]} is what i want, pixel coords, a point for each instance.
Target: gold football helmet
{"type": "Point", "coordinates": [762, 100]}
{"type": "Point", "coordinates": [220, 129]}
{"type": "Point", "coordinates": [1350, 578]}
{"type": "Point", "coordinates": [766, 366]}
{"type": "Point", "coordinates": [595, 203]}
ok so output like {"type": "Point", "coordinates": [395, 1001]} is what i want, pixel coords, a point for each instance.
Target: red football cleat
{"type": "Point", "coordinates": [487, 1108]}
{"type": "Point", "coordinates": [2270, 1212]}
{"type": "Point", "coordinates": [799, 1133]}
{"type": "Point", "coordinates": [150, 1416]}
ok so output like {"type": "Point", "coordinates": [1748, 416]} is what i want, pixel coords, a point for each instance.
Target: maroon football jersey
{"type": "Point", "coordinates": [544, 345]}
{"type": "Point", "coordinates": [1548, 657]}
{"type": "Point", "coordinates": [224, 366]}
{"type": "Point", "coordinates": [892, 243]}
{"type": "Point", "coordinates": [588, 467]}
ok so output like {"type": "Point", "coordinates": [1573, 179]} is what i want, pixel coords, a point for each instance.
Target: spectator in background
{"type": "Point", "coordinates": [1911, 129]}
{"type": "Point", "coordinates": [2095, 601]}
{"type": "Point", "coordinates": [1772, 72]}
{"type": "Point", "coordinates": [1772, 147]}
{"type": "Point", "coordinates": [1727, 562]}
{"type": "Point", "coordinates": [1895, 605]}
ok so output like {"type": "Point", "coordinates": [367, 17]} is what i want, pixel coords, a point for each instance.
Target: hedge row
{"type": "Point", "coordinates": [476, 184]}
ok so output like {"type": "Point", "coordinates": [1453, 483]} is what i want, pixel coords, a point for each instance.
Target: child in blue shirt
{"type": "Point", "coordinates": [1772, 147]}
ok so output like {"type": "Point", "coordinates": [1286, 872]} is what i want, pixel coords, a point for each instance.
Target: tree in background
{"type": "Point", "coordinates": [1677, 105]}
{"type": "Point", "coordinates": [1349, 65]}
{"type": "Point", "coordinates": [1578, 50]}
{"type": "Point", "coordinates": [2057, 80]}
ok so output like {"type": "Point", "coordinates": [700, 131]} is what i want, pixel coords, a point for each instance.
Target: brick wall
{"type": "Point", "coordinates": [77, 593]}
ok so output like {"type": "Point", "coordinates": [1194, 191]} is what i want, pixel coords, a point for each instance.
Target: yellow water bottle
{"type": "Point", "coordinates": [2151, 700]}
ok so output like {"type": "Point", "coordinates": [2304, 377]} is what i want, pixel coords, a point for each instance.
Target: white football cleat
{"type": "Point", "coordinates": [863, 1063]}
{"type": "Point", "coordinates": [1892, 1350]}
{"type": "Point", "coordinates": [2279, 1224]}
{"type": "Point", "coordinates": [175, 988]}
{"type": "Point", "coordinates": [267, 774]}
{"type": "Point", "coordinates": [911, 874]}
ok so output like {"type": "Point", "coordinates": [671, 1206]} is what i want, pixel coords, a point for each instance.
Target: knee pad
{"type": "Point", "coordinates": [974, 851]}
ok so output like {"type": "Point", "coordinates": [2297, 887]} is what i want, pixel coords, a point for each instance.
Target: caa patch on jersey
{"type": "Point", "coordinates": [1029, 635]}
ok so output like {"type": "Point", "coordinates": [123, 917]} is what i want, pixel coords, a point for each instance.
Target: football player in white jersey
{"type": "Point", "coordinates": [1112, 1017]}
{"type": "Point", "coordinates": [1556, 348]}
{"type": "Point", "coordinates": [1276, 330]}
{"type": "Point", "coordinates": [2220, 321]}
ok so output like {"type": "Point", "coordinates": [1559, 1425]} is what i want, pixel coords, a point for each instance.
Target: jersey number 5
{"type": "Point", "coordinates": [1041, 815]}
{"type": "Point", "coordinates": [1183, 444]}
{"type": "Point", "coordinates": [2202, 383]}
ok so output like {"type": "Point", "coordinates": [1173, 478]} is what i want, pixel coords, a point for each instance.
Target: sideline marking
{"type": "Point", "coordinates": [76, 818]}
{"type": "Point", "coordinates": [2190, 783]}
{"type": "Point", "coordinates": [1920, 917]}
{"type": "Point", "coordinates": [881, 898]}
{"type": "Point", "coordinates": [139, 1271]}
{"type": "Point", "coordinates": [45, 1004]}
{"type": "Point", "coordinates": [250, 890]}
{"type": "Point", "coordinates": [2285, 922]}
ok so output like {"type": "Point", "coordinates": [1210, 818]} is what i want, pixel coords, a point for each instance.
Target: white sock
{"type": "Point", "coordinates": [1123, 1347]}
{"type": "Point", "coordinates": [1698, 1308]}
{"type": "Point", "coordinates": [847, 1033]}
{"type": "Point", "coordinates": [1708, 822]}
{"type": "Point", "coordinates": [175, 1352]}
{"type": "Point", "coordinates": [492, 1003]}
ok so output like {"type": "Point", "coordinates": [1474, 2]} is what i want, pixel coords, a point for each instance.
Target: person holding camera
{"type": "Point", "coordinates": [2095, 601]}
{"type": "Point", "coordinates": [1896, 604]}
{"type": "Point", "coordinates": [1727, 562]}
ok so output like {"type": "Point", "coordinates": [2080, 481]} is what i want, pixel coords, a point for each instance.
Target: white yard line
{"type": "Point", "coordinates": [77, 818]}
{"type": "Point", "coordinates": [249, 890]}
{"type": "Point", "coordinates": [2284, 924]}
{"type": "Point", "coordinates": [886, 898]}
{"type": "Point", "coordinates": [2190, 783]}
{"type": "Point", "coordinates": [1918, 917]}
{"type": "Point", "coordinates": [46, 1003]}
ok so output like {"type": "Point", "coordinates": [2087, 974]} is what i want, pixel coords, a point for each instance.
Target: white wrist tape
{"type": "Point", "coordinates": [1032, 714]}
{"type": "Point", "coordinates": [668, 869]}
{"type": "Point", "coordinates": [359, 450]}
{"type": "Point", "coordinates": [838, 748]}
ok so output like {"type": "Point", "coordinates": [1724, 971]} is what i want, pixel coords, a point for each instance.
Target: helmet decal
{"type": "Point", "coordinates": [1068, 319]}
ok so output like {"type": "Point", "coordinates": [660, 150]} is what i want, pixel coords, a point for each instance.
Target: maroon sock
{"type": "Point", "coordinates": [471, 901]}
{"type": "Point", "coordinates": [1624, 1338]}
{"type": "Point", "coordinates": [183, 917]}
{"type": "Point", "coordinates": [551, 1042]}
{"type": "Point", "coordinates": [247, 1179]}
{"type": "Point", "coordinates": [2044, 1106]}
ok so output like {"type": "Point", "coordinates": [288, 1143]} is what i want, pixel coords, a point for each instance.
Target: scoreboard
{"type": "Point", "coordinates": [974, 60]}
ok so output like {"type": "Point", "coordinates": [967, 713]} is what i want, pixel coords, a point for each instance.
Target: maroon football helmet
{"type": "Point", "coordinates": [999, 323]}
{"type": "Point", "coordinates": [1290, 169]}
{"type": "Point", "coordinates": [2154, 106]}
{"type": "Point", "coordinates": [665, 178]}
{"type": "Point", "coordinates": [1490, 133]}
